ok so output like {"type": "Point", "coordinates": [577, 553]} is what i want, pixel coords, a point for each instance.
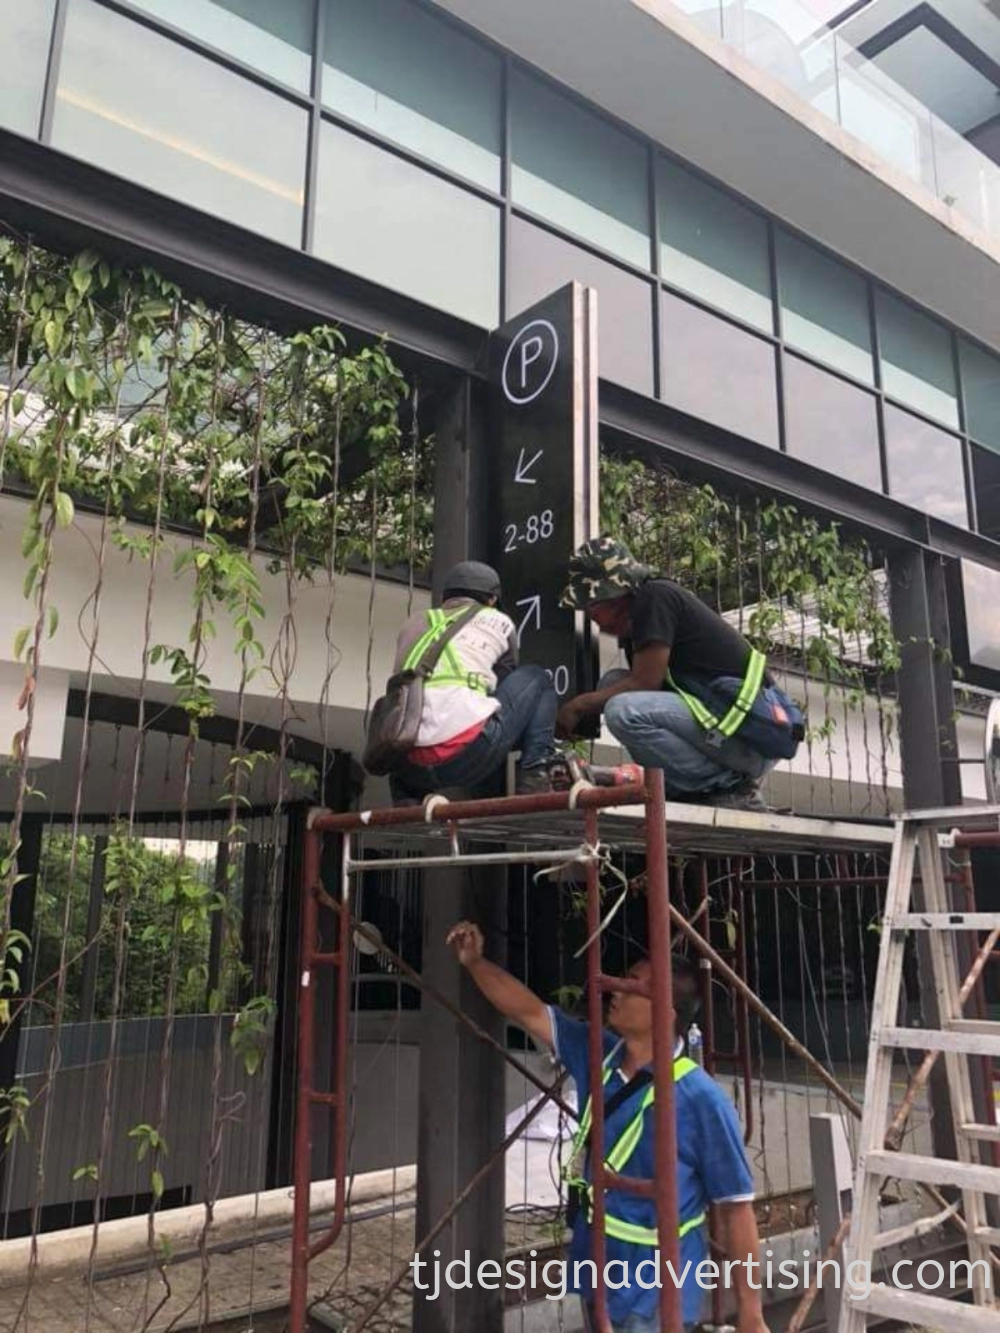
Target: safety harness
{"type": "Point", "coordinates": [720, 729]}
{"type": "Point", "coordinates": [616, 1160]}
{"type": "Point", "coordinates": [448, 669]}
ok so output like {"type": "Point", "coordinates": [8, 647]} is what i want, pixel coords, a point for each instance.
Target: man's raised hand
{"type": "Point", "coordinates": [467, 940]}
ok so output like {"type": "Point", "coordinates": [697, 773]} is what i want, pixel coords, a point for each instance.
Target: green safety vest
{"type": "Point", "coordinates": [728, 725]}
{"type": "Point", "coordinates": [620, 1152]}
{"type": "Point", "coordinates": [448, 669]}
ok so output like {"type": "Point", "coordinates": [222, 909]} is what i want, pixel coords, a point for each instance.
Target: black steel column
{"type": "Point", "coordinates": [931, 774]}
{"type": "Point", "coordinates": [461, 1097]}
{"type": "Point", "coordinates": [22, 918]}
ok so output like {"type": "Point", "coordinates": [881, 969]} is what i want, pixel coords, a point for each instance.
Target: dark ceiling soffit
{"type": "Point", "coordinates": [925, 16]}
{"type": "Point", "coordinates": [714, 455]}
{"type": "Point", "coordinates": [69, 204]}
{"type": "Point", "coordinates": [119, 711]}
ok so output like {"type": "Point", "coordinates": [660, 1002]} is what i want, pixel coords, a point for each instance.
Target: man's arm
{"type": "Point", "coordinates": [648, 672]}
{"type": "Point", "coordinates": [504, 992]}
{"type": "Point", "coordinates": [741, 1241]}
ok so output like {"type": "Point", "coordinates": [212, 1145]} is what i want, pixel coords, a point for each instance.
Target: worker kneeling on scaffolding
{"type": "Point", "coordinates": [712, 1166]}
{"type": "Point", "coordinates": [696, 699]}
{"type": "Point", "coordinates": [476, 704]}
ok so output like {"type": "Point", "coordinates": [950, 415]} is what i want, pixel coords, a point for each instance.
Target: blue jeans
{"type": "Point", "coordinates": [657, 729]}
{"type": "Point", "coordinates": [633, 1323]}
{"type": "Point", "coordinates": [524, 721]}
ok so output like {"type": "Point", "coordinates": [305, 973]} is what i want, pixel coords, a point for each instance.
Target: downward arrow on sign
{"type": "Point", "coordinates": [523, 468]}
{"type": "Point", "coordinates": [534, 605]}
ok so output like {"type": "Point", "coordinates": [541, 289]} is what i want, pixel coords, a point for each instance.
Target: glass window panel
{"type": "Point", "coordinates": [389, 221]}
{"type": "Point", "coordinates": [715, 371]}
{"type": "Point", "coordinates": [224, 145]}
{"type": "Point", "coordinates": [540, 263]}
{"type": "Point", "coordinates": [572, 167]}
{"type": "Point", "coordinates": [831, 424]}
{"type": "Point", "coordinates": [824, 308]}
{"type": "Point", "coordinates": [275, 38]}
{"type": "Point", "coordinates": [925, 467]}
{"type": "Point", "coordinates": [986, 474]}
{"type": "Point", "coordinates": [712, 246]}
{"type": "Point", "coordinates": [917, 364]}
{"type": "Point", "coordinates": [416, 80]}
{"type": "Point", "coordinates": [26, 26]}
{"type": "Point", "coordinates": [981, 384]}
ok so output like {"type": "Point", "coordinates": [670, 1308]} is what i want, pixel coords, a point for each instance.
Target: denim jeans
{"type": "Point", "coordinates": [657, 729]}
{"type": "Point", "coordinates": [633, 1323]}
{"type": "Point", "coordinates": [524, 721]}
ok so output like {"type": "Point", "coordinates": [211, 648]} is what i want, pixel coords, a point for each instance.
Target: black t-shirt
{"type": "Point", "coordinates": [699, 640]}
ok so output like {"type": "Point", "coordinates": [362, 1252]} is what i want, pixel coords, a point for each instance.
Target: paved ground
{"type": "Point", "coordinates": [250, 1282]}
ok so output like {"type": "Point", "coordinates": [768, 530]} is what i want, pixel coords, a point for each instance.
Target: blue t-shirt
{"type": "Point", "coordinates": [712, 1168]}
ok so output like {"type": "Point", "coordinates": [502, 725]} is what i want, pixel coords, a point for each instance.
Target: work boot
{"type": "Point", "coordinates": [532, 781]}
{"type": "Point", "coordinates": [745, 796]}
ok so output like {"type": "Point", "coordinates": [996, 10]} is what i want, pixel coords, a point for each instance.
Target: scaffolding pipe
{"type": "Point", "coordinates": [440, 811]}
{"type": "Point", "coordinates": [660, 910]}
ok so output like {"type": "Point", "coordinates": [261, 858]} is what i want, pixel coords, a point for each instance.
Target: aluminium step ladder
{"type": "Point", "coordinates": [917, 846]}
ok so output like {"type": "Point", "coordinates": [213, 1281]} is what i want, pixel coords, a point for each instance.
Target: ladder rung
{"type": "Point", "coordinates": [934, 1171]}
{"type": "Point", "coordinates": [988, 1133]}
{"type": "Point", "coordinates": [985, 1027]}
{"type": "Point", "coordinates": [934, 1039]}
{"type": "Point", "coordinates": [947, 921]}
{"type": "Point", "coordinates": [991, 1235]}
{"type": "Point", "coordinates": [916, 1308]}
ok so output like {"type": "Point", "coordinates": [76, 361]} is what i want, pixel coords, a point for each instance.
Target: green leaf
{"type": "Point", "coordinates": [53, 620]}
{"type": "Point", "coordinates": [156, 1180]}
{"type": "Point", "coordinates": [64, 509]}
{"type": "Point", "coordinates": [20, 639]}
{"type": "Point", "coordinates": [53, 337]}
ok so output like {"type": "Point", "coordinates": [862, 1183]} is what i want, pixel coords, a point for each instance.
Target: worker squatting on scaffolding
{"type": "Point", "coordinates": [712, 1166]}
{"type": "Point", "coordinates": [478, 704]}
{"type": "Point", "coordinates": [696, 699]}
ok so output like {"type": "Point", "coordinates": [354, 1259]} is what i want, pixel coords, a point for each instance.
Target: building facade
{"type": "Point", "coordinates": [797, 266]}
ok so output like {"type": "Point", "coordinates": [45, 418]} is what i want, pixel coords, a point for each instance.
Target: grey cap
{"type": "Point", "coordinates": [472, 576]}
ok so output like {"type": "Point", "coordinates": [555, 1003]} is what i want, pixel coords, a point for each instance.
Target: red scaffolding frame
{"type": "Point", "coordinates": [497, 820]}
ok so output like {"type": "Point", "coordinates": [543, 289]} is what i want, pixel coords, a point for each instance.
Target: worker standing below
{"type": "Point", "coordinates": [711, 1162]}
{"type": "Point", "coordinates": [696, 699]}
{"type": "Point", "coordinates": [478, 704]}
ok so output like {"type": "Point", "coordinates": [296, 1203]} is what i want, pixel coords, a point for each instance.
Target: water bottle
{"type": "Point", "coordinates": [696, 1046]}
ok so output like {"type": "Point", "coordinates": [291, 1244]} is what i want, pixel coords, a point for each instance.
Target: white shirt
{"type": "Point", "coordinates": [450, 710]}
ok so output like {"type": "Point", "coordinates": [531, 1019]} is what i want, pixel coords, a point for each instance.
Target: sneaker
{"type": "Point", "coordinates": [532, 781]}
{"type": "Point", "coordinates": [746, 796]}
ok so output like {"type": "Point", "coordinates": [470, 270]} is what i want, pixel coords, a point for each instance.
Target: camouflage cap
{"type": "Point", "coordinates": [601, 570]}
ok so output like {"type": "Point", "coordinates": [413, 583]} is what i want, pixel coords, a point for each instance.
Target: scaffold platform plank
{"type": "Point", "coordinates": [690, 829]}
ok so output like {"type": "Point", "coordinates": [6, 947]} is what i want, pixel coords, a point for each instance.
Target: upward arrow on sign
{"type": "Point", "coordinates": [534, 605]}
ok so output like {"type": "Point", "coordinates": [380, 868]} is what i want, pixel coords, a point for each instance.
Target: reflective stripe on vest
{"type": "Point", "coordinates": [738, 710]}
{"type": "Point", "coordinates": [448, 669]}
{"type": "Point", "coordinates": [620, 1153]}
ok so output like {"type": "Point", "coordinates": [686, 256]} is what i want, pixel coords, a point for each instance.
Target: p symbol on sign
{"type": "Point", "coordinates": [530, 362]}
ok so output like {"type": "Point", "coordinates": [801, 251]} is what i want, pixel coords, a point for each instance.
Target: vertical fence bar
{"type": "Point", "coordinates": [307, 1055]}
{"type": "Point", "coordinates": [665, 1125]}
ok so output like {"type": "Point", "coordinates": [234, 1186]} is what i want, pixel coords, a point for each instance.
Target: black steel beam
{"type": "Point", "coordinates": [931, 777]}
{"type": "Point", "coordinates": [461, 1104]}
{"type": "Point", "coordinates": [630, 420]}
{"type": "Point", "coordinates": [173, 721]}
